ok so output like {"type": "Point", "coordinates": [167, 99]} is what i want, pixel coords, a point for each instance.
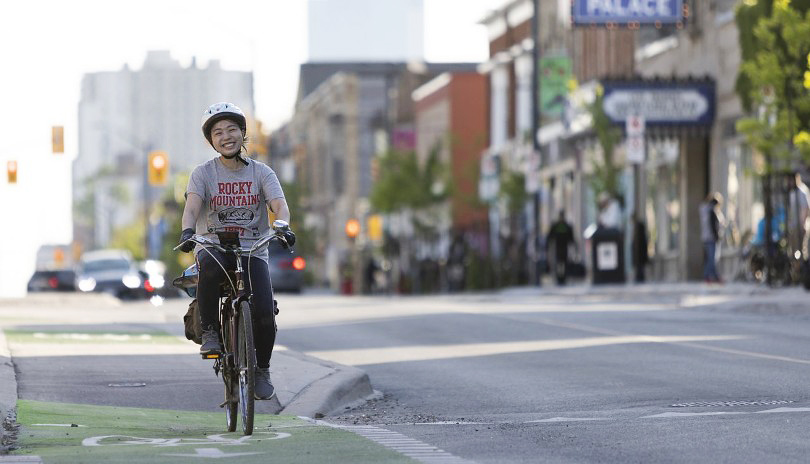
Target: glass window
{"type": "Point", "coordinates": [663, 206]}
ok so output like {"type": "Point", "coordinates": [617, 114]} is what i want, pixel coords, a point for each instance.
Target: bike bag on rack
{"type": "Point", "coordinates": [192, 323]}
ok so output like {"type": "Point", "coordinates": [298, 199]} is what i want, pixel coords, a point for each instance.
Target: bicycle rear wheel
{"type": "Point", "coordinates": [246, 367]}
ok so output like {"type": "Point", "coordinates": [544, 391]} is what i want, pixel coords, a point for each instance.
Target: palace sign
{"type": "Point", "coordinates": [588, 12]}
{"type": "Point", "coordinates": [661, 103]}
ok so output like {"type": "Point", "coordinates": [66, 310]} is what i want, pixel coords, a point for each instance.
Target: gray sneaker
{"type": "Point", "coordinates": [210, 342]}
{"type": "Point", "coordinates": [263, 388]}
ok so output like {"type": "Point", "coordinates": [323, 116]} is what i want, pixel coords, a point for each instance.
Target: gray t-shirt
{"type": "Point", "coordinates": [234, 200]}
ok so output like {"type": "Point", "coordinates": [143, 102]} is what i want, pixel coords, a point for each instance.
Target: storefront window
{"type": "Point", "coordinates": [663, 207]}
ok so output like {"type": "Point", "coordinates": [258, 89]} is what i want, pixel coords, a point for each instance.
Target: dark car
{"type": "Point", "coordinates": [59, 280]}
{"type": "Point", "coordinates": [113, 272]}
{"type": "Point", "coordinates": [286, 269]}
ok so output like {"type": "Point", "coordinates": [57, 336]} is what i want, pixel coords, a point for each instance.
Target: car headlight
{"type": "Point", "coordinates": [131, 281]}
{"type": "Point", "coordinates": [87, 284]}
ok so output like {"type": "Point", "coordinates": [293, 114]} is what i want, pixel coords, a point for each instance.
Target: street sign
{"type": "Point", "coordinates": [634, 148]}
{"type": "Point", "coordinates": [635, 125]}
{"type": "Point", "coordinates": [629, 12]}
{"type": "Point", "coordinates": [660, 103]}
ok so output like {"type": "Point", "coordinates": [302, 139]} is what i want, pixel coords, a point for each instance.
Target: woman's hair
{"type": "Point", "coordinates": [714, 198]}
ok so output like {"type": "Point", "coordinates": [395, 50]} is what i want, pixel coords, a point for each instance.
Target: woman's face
{"type": "Point", "coordinates": [226, 137]}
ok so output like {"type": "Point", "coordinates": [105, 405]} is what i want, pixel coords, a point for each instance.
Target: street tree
{"type": "Point", "coordinates": [605, 176]}
{"type": "Point", "coordinates": [775, 42]}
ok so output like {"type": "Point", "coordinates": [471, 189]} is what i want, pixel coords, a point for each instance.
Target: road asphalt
{"type": "Point", "coordinates": [311, 387]}
{"type": "Point", "coordinates": [305, 386]}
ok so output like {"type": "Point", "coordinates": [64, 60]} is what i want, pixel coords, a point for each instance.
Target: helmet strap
{"type": "Point", "coordinates": [236, 155]}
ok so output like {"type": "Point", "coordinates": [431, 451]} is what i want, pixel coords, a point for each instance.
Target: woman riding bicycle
{"type": "Point", "coordinates": [231, 193]}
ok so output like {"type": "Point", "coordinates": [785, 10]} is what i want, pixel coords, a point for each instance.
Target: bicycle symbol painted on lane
{"type": "Point", "coordinates": [209, 440]}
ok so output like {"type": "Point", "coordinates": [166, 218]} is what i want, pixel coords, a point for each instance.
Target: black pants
{"type": "Point", "coordinates": [208, 295]}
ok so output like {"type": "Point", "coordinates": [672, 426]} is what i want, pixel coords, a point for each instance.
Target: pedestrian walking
{"type": "Point", "coordinates": [798, 212]}
{"type": "Point", "coordinates": [640, 256]}
{"type": "Point", "coordinates": [710, 225]}
{"type": "Point", "coordinates": [559, 237]}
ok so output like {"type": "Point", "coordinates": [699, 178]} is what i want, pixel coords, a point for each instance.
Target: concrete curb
{"type": "Point", "coordinates": [8, 390]}
{"type": "Point", "coordinates": [344, 387]}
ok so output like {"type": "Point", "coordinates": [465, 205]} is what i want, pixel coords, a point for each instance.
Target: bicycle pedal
{"type": "Point", "coordinates": [211, 356]}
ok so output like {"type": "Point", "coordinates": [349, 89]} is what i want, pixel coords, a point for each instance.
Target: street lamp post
{"type": "Point", "coordinates": [535, 272]}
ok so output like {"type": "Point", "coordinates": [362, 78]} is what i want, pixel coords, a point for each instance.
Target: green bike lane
{"type": "Point", "coordinates": [81, 433]}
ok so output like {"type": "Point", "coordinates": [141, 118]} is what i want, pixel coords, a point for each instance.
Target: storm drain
{"type": "Point", "coordinates": [703, 404]}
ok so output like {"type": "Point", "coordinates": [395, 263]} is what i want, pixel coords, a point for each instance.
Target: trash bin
{"type": "Point", "coordinates": [607, 256]}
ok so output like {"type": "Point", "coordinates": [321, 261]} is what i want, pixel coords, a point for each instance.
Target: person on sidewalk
{"type": "Point", "coordinates": [710, 225]}
{"type": "Point", "coordinates": [232, 193]}
{"type": "Point", "coordinates": [610, 213]}
{"type": "Point", "coordinates": [559, 237]}
{"type": "Point", "coordinates": [798, 212]}
{"type": "Point", "coordinates": [640, 256]}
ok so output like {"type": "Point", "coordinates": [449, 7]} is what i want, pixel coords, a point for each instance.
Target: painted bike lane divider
{"type": "Point", "coordinates": [69, 433]}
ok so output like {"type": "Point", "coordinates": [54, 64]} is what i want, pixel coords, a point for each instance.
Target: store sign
{"type": "Point", "coordinates": [587, 12]}
{"type": "Point", "coordinates": [661, 103]}
{"type": "Point", "coordinates": [555, 72]}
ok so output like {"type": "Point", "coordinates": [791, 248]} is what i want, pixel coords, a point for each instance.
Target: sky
{"type": "Point", "coordinates": [47, 45]}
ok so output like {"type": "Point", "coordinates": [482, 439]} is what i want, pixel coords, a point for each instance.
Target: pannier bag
{"type": "Point", "coordinates": [192, 323]}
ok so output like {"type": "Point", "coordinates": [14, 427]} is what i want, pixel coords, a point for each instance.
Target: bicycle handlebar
{"type": "Point", "coordinates": [262, 243]}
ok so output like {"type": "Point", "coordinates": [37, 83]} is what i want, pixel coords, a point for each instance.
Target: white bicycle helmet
{"type": "Point", "coordinates": [219, 111]}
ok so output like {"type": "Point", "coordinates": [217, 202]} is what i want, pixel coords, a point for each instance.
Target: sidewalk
{"type": "Point", "coordinates": [305, 386]}
{"type": "Point", "coordinates": [739, 296]}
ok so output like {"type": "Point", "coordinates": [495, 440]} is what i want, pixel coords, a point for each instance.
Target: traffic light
{"type": "Point", "coordinates": [11, 169]}
{"type": "Point", "coordinates": [375, 227]}
{"type": "Point", "coordinates": [58, 139]}
{"type": "Point", "coordinates": [352, 228]}
{"type": "Point", "coordinates": [158, 168]}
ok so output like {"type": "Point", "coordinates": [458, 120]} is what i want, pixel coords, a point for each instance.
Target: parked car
{"type": "Point", "coordinates": [53, 280]}
{"type": "Point", "coordinates": [113, 272]}
{"type": "Point", "coordinates": [286, 269]}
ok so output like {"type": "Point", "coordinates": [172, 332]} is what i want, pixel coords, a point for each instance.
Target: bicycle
{"type": "Point", "coordinates": [237, 362]}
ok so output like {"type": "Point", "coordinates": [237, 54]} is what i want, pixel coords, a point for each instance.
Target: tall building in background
{"type": "Point", "coordinates": [365, 30]}
{"type": "Point", "coordinates": [125, 114]}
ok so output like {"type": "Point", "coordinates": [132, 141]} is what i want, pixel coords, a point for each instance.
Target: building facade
{"type": "Point", "coordinates": [451, 119]}
{"type": "Point", "coordinates": [346, 115]}
{"type": "Point", "coordinates": [124, 115]}
{"type": "Point", "coordinates": [552, 173]}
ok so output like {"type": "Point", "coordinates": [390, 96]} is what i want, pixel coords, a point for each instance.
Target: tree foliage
{"type": "Point", "coordinates": [513, 191]}
{"type": "Point", "coordinates": [775, 42]}
{"type": "Point", "coordinates": [404, 183]}
{"type": "Point", "coordinates": [605, 176]}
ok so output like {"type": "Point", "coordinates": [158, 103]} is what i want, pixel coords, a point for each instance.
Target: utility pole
{"type": "Point", "coordinates": [536, 272]}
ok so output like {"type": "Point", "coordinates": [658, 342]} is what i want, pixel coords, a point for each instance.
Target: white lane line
{"type": "Point", "coordinates": [750, 354]}
{"type": "Point", "coordinates": [57, 425]}
{"type": "Point", "coordinates": [567, 419]}
{"type": "Point", "coordinates": [769, 411]}
{"type": "Point", "coordinates": [366, 356]}
{"type": "Point", "coordinates": [414, 449]}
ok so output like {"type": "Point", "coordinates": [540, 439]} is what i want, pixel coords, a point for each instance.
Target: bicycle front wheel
{"type": "Point", "coordinates": [230, 377]}
{"type": "Point", "coordinates": [246, 365]}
